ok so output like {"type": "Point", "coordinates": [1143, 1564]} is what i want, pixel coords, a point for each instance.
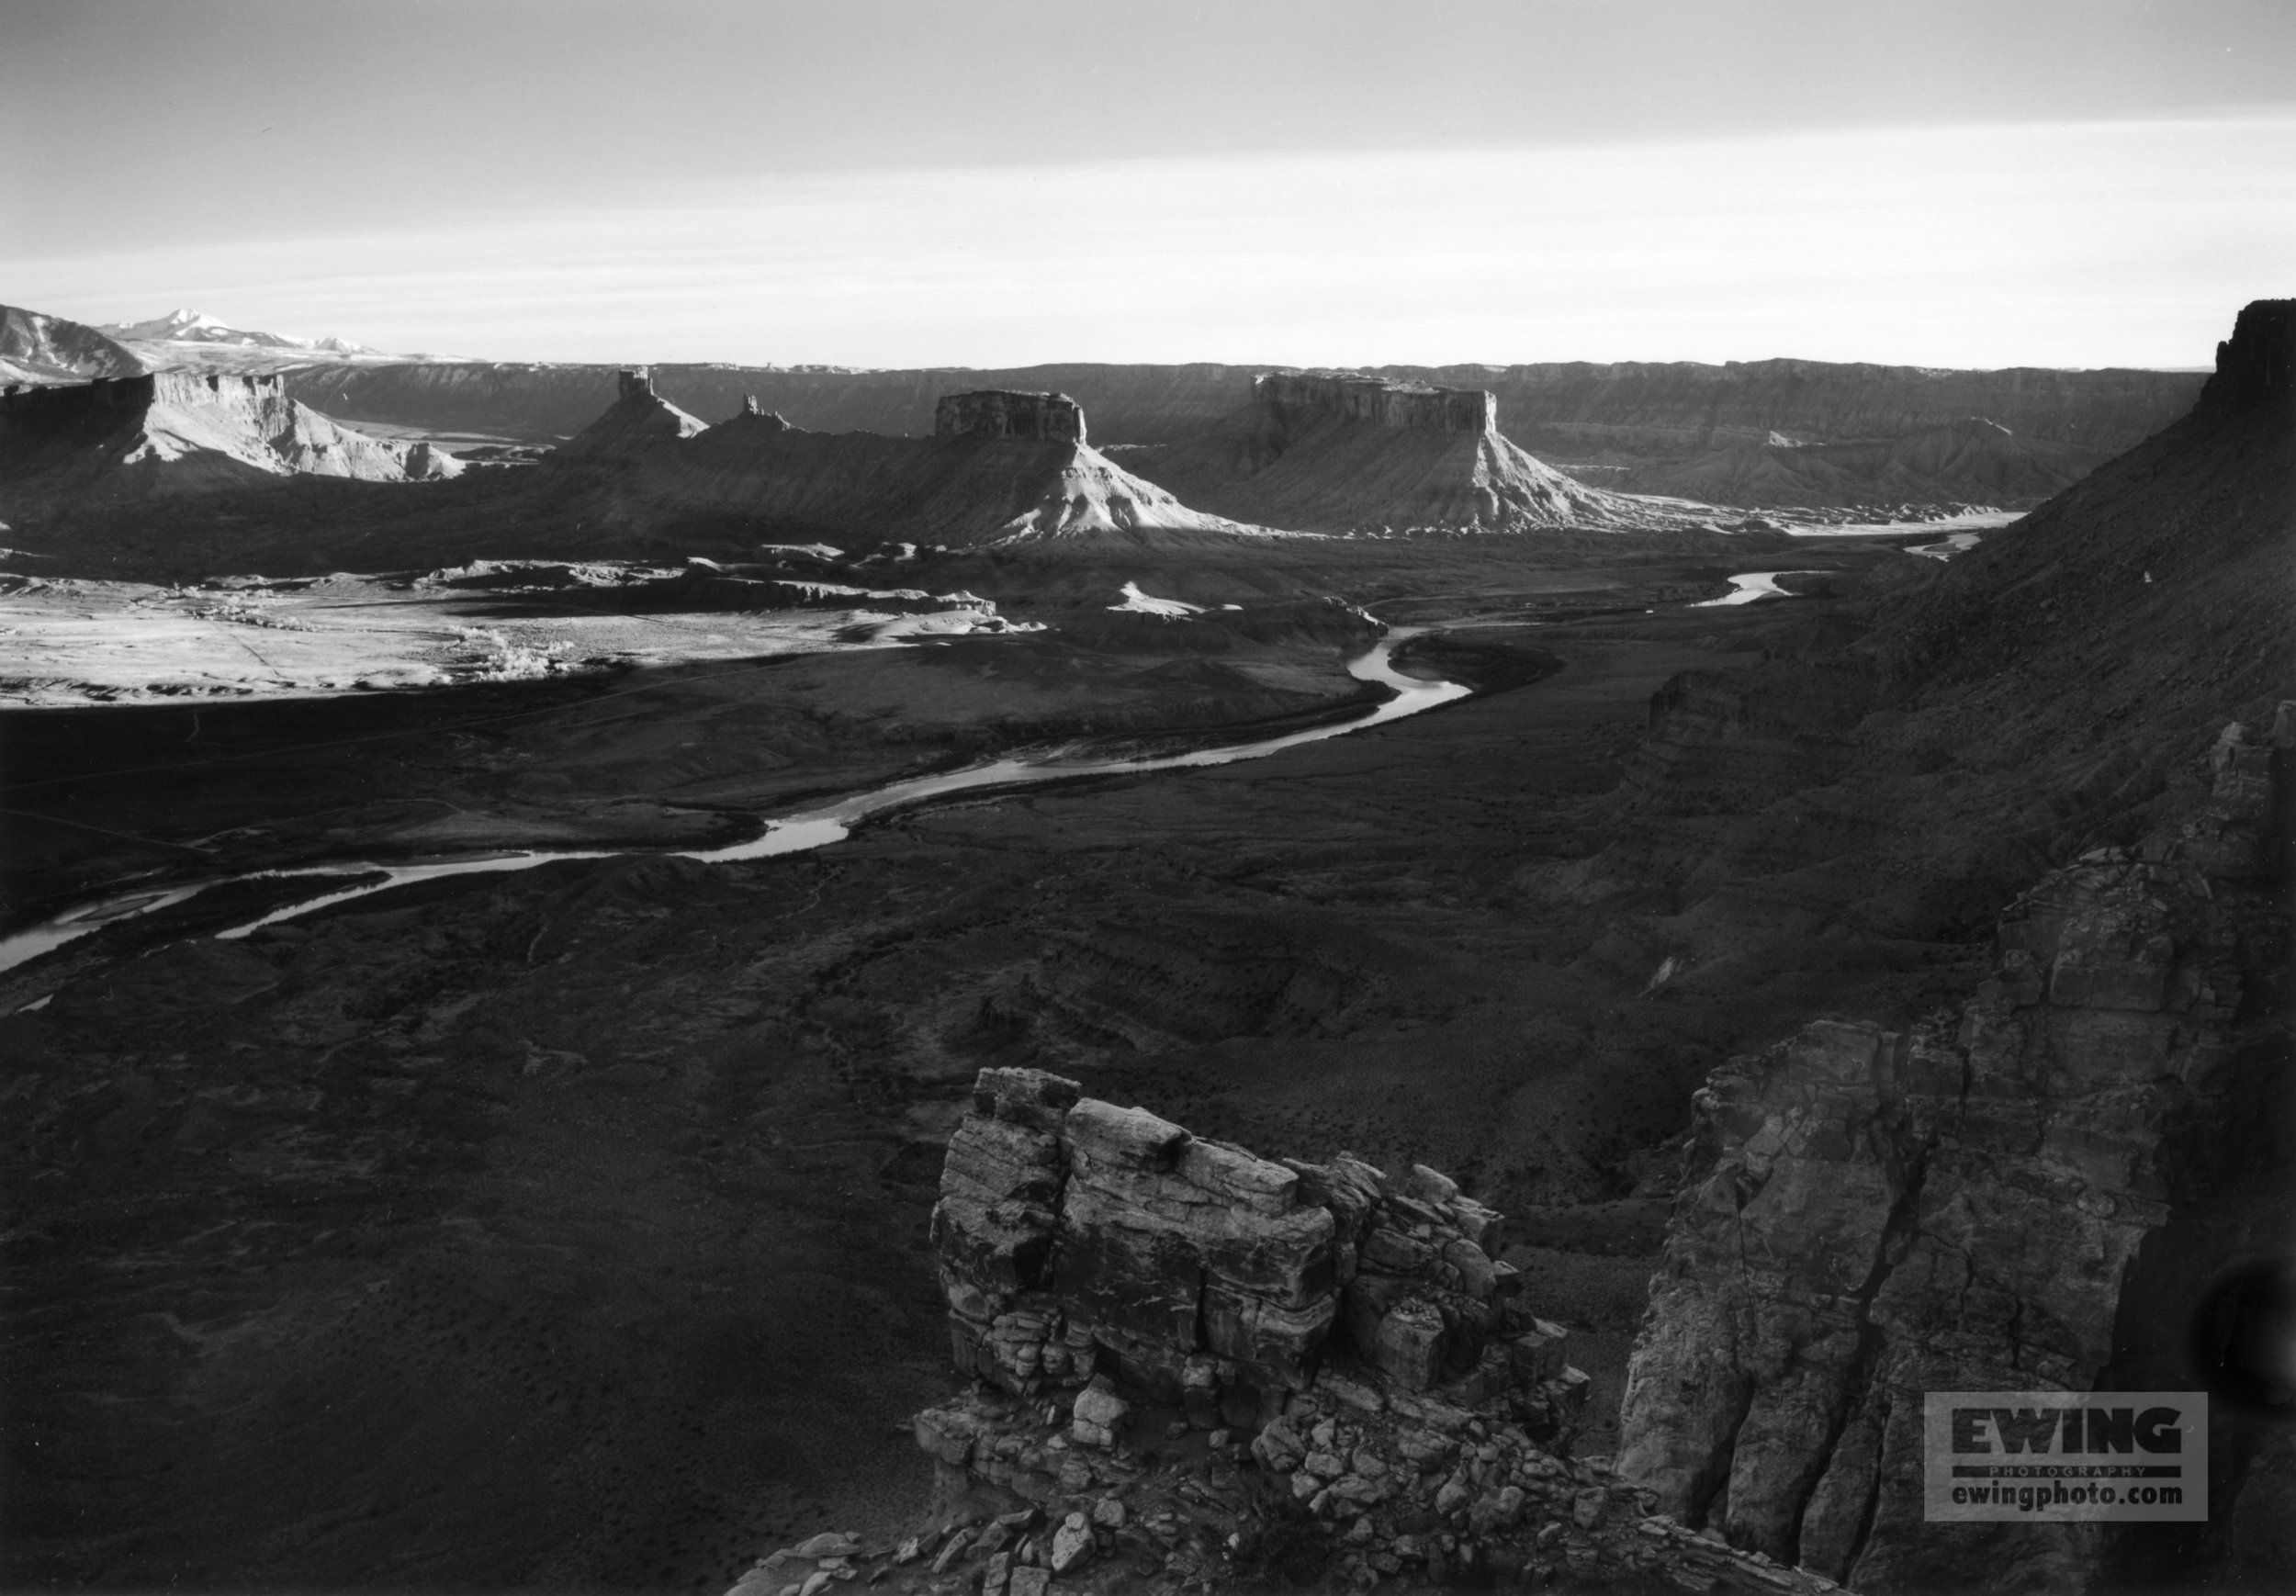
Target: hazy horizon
{"type": "Point", "coordinates": [1446, 181]}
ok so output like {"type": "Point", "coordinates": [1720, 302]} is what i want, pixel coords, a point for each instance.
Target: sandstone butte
{"type": "Point", "coordinates": [1751, 432]}
{"type": "Point", "coordinates": [1000, 468]}
{"type": "Point", "coordinates": [1192, 1364]}
{"type": "Point", "coordinates": [1858, 440]}
{"type": "Point", "coordinates": [1334, 451]}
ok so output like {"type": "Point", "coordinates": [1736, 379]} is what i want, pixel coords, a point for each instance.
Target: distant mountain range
{"type": "Point", "coordinates": [194, 327]}
{"type": "Point", "coordinates": [192, 340]}
{"type": "Point", "coordinates": [38, 350]}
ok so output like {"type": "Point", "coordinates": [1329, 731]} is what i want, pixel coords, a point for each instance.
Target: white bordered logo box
{"type": "Point", "coordinates": [2065, 1456]}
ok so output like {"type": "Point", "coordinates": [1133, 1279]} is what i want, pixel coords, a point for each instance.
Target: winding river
{"type": "Point", "coordinates": [1748, 586]}
{"type": "Point", "coordinates": [787, 833]}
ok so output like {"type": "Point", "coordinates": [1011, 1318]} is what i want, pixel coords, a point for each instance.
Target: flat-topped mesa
{"type": "Point", "coordinates": [1003, 467]}
{"type": "Point", "coordinates": [1379, 400]}
{"type": "Point", "coordinates": [1003, 413]}
{"type": "Point", "coordinates": [1342, 452]}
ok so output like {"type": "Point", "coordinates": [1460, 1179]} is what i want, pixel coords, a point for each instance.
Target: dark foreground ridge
{"type": "Point", "coordinates": [1195, 1365]}
{"type": "Point", "coordinates": [2034, 1187]}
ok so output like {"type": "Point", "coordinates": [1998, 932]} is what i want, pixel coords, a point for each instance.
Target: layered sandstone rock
{"type": "Point", "coordinates": [639, 420]}
{"type": "Point", "coordinates": [1195, 1363]}
{"type": "Point", "coordinates": [1001, 468]}
{"type": "Point", "coordinates": [1001, 413]}
{"type": "Point", "coordinates": [751, 421]}
{"type": "Point", "coordinates": [1075, 1236]}
{"type": "Point", "coordinates": [1382, 401]}
{"type": "Point", "coordinates": [1923, 471]}
{"type": "Point", "coordinates": [1868, 1214]}
{"type": "Point", "coordinates": [1345, 452]}
{"type": "Point", "coordinates": [426, 462]}
{"type": "Point", "coordinates": [180, 432]}
{"type": "Point", "coordinates": [1629, 413]}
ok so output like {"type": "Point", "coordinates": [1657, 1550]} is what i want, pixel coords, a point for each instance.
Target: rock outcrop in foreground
{"type": "Point", "coordinates": [1869, 1215]}
{"type": "Point", "coordinates": [1326, 451]}
{"type": "Point", "coordinates": [173, 432]}
{"type": "Point", "coordinates": [2035, 1189]}
{"type": "Point", "coordinates": [1193, 1364]}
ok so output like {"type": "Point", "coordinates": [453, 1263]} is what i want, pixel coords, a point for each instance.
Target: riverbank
{"type": "Point", "coordinates": [630, 1158]}
{"type": "Point", "coordinates": [123, 920]}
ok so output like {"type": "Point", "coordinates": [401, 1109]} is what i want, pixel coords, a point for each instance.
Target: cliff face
{"type": "Point", "coordinates": [1620, 418]}
{"type": "Point", "coordinates": [1336, 453]}
{"type": "Point", "coordinates": [1378, 400]}
{"type": "Point", "coordinates": [1681, 407]}
{"type": "Point", "coordinates": [178, 432]}
{"type": "Point", "coordinates": [1001, 468]}
{"type": "Point", "coordinates": [1212, 1366]}
{"type": "Point", "coordinates": [2033, 1188]}
{"type": "Point", "coordinates": [1870, 1215]}
{"type": "Point", "coordinates": [997, 413]}
{"type": "Point", "coordinates": [1974, 460]}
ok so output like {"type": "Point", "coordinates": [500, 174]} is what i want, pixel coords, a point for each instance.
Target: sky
{"type": "Point", "coordinates": [1003, 181]}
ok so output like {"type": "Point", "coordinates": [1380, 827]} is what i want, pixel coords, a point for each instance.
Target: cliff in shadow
{"type": "Point", "coordinates": [173, 432]}
{"type": "Point", "coordinates": [1973, 459]}
{"type": "Point", "coordinates": [1636, 412]}
{"type": "Point", "coordinates": [1194, 1366]}
{"type": "Point", "coordinates": [1334, 452]}
{"type": "Point", "coordinates": [2074, 742]}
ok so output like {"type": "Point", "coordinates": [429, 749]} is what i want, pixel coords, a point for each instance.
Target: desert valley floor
{"type": "Point", "coordinates": [571, 1227]}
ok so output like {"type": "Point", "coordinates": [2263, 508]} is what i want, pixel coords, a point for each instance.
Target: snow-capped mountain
{"type": "Point", "coordinates": [191, 339]}
{"type": "Point", "coordinates": [196, 327]}
{"type": "Point", "coordinates": [36, 350]}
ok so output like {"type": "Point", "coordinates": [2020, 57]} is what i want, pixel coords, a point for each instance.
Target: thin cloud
{"type": "Point", "coordinates": [2076, 244]}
